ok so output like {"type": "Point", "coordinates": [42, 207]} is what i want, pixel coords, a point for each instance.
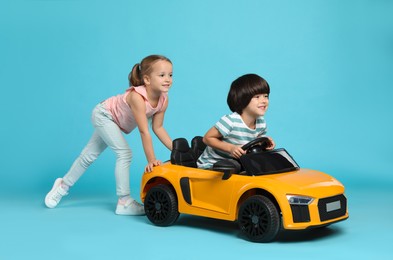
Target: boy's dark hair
{"type": "Point", "coordinates": [243, 89]}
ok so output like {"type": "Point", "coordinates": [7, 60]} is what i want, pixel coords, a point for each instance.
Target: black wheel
{"type": "Point", "coordinates": [161, 205]}
{"type": "Point", "coordinates": [259, 219]}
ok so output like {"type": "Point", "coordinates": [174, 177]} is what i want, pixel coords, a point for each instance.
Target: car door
{"type": "Point", "coordinates": [210, 192]}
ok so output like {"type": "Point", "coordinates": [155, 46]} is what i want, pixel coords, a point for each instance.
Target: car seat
{"type": "Point", "coordinates": [182, 154]}
{"type": "Point", "coordinates": [197, 146]}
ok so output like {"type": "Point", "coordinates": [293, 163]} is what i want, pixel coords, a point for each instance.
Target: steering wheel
{"type": "Point", "coordinates": [256, 145]}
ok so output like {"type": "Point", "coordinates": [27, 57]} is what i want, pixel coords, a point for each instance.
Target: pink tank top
{"type": "Point", "coordinates": [122, 113]}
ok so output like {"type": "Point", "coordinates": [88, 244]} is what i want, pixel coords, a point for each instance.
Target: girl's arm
{"type": "Point", "coordinates": [158, 127]}
{"type": "Point", "coordinates": [213, 138]}
{"type": "Point", "coordinates": [137, 104]}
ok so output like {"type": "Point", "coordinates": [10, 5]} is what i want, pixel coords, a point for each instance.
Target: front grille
{"type": "Point", "coordinates": [300, 213]}
{"type": "Point", "coordinates": [332, 207]}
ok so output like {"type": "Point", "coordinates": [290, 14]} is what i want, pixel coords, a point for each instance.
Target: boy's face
{"type": "Point", "coordinates": [257, 106]}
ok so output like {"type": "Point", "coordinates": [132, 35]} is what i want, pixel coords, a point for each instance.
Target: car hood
{"type": "Point", "coordinates": [306, 181]}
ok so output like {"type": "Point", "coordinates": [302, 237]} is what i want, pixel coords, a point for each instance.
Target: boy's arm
{"type": "Point", "coordinates": [213, 138]}
{"type": "Point", "coordinates": [158, 127]}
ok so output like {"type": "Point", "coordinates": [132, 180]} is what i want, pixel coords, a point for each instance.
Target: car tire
{"type": "Point", "coordinates": [259, 219]}
{"type": "Point", "coordinates": [161, 205]}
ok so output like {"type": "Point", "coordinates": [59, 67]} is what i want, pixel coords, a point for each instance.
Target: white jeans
{"type": "Point", "coordinates": [107, 133]}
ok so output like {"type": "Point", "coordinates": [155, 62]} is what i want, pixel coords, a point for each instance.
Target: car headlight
{"type": "Point", "coordinates": [299, 200]}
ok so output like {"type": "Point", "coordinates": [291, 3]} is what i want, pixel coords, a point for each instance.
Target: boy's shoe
{"type": "Point", "coordinates": [55, 194]}
{"type": "Point", "coordinates": [130, 207]}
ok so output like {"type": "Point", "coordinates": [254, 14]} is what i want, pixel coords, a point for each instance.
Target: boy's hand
{"type": "Point", "coordinates": [150, 165]}
{"type": "Point", "coordinates": [271, 144]}
{"type": "Point", "coordinates": [236, 151]}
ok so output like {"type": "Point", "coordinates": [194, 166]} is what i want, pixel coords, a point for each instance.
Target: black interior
{"type": "Point", "coordinates": [183, 154]}
{"type": "Point", "coordinates": [268, 162]}
{"type": "Point", "coordinates": [253, 163]}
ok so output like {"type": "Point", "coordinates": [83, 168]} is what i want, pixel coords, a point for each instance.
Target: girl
{"type": "Point", "coordinates": [248, 99]}
{"type": "Point", "coordinates": [146, 98]}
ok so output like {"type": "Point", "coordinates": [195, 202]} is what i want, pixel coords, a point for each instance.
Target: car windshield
{"type": "Point", "coordinates": [268, 162]}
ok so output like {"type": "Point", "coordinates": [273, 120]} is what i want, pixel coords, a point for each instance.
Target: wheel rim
{"type": "Point", "coordinates": [158, 206]}
{"type": "Point", "coordinates": [254, 220]}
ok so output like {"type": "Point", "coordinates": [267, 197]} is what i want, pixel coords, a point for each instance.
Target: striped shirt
{"type": "Point", "coordinates": [234, 131]}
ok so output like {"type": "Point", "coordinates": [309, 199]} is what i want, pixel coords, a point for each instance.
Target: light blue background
{"type": "Point", "coordinates": [330, 68]}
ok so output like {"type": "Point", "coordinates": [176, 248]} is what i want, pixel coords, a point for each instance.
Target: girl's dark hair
{"type": "Point", "coordinates": [143, 68]}
{"type": "Point", "coordinates": [243, 89]}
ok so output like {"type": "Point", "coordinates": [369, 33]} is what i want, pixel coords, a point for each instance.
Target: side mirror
{"type": "Point", "coordinates": [227, 172]}
{"type": "Point", "coordinates": [228, 167]}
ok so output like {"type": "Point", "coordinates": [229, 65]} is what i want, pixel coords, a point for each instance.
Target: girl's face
{"type": "Point", "coordinates": [257, 106]}
{"type": "Point", "coordinates": [160, 77]}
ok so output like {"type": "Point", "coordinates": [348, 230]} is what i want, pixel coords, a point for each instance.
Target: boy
{"type": "Point", "coordinates": [248, 99]}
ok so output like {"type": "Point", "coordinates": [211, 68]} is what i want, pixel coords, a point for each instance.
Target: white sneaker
{"type": "Point", "coordinates": [130, 207]}
{"type": "Point", "coordinates": [55, 194]}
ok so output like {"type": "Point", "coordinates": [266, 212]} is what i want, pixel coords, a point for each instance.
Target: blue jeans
{"type": "Point", "coordinates": [107, 133]}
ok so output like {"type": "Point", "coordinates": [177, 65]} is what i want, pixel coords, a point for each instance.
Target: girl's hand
{"type": "Point", "coordinates": [236, 151]}
{"type": "Point", "coordinates": [150, 165]}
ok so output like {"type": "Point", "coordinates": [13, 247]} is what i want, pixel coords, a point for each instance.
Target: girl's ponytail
{"type": "Point", "coordinates": [135, 76]}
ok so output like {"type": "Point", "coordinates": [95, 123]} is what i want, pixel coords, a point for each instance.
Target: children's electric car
{"type": "Point", "coordinates": [263, 191]}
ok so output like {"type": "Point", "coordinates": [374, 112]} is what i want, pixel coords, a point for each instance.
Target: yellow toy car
{"type": "Point", "coordinates": [263, 191]}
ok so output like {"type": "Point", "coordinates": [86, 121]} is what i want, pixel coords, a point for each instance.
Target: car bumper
{"type": "Point", "coordinates": [321, 212]}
